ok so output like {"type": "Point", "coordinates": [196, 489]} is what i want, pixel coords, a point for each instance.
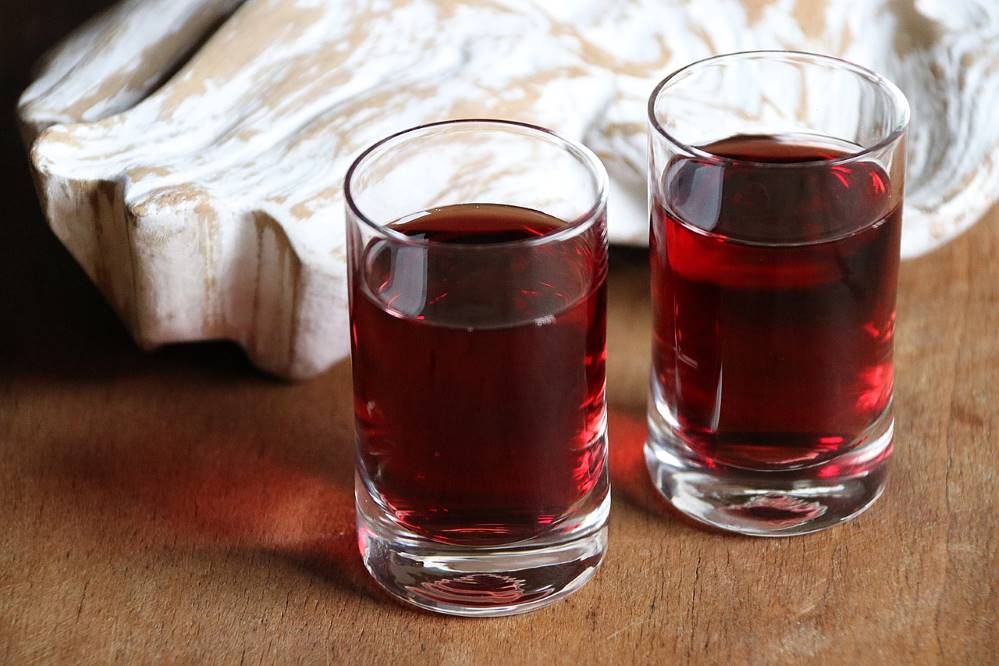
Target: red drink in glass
{"type": "Point", "coordinates": [477, 264]}
{"type": "Point", "coordinates": [774, 355]}
{"type": "Point", "coordinates": [481, 435]}
{"type": "Point", "coordinates": [776, 183]}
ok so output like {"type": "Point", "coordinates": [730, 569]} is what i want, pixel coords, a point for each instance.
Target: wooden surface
{"type": "Point", "coordinates": [180, 507]}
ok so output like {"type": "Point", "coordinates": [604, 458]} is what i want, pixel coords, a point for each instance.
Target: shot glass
{"type": "Point", "coordinates": [775, 187]}
{"type": "Point", "coordinates": [477, 271]}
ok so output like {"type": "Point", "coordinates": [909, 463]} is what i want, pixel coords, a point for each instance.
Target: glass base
{"type": "Point", "coordinates": [769, 503]}
{"type": "Point", "coordinates": [479, 581]}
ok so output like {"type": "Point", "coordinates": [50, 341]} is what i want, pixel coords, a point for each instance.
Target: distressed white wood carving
{"type": "Point", "coordinates": [190, 153]}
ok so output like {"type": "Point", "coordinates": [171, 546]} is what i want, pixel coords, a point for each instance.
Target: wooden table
{"type": "Point", "coordinates": [180, 507]}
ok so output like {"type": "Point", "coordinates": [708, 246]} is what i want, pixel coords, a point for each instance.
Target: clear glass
{"type": "Point", "coordinates": [775, 188]}
{"type": "Point", "coordinates": [477, 257]}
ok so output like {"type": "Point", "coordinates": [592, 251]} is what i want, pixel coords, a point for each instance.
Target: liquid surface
{"type": "Point", "coordinates": [771, 356]}
{"type": "Point", "coordinates": [479, 374]}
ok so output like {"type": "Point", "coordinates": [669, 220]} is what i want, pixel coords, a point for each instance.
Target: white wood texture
{"type": "Point", "coordinates": [191, 156]}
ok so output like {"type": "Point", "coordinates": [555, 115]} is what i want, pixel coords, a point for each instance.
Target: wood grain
{"type": "Point", "coordinates": [178, 507]}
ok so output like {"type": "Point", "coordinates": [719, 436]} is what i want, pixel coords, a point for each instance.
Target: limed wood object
{"type": "Point", "coordinates": [190, 153]}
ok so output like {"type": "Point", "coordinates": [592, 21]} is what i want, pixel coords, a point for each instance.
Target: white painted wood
{"type": "Point", "coordinates": [116, 59]}
{"type": "Point", "coordinates": [210, 206]}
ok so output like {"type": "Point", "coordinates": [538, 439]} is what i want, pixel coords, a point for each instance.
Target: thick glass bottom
{"type": "Point", "coordinates": [479, 581]}
{"type": "Point", "coordinates": [772, 503]}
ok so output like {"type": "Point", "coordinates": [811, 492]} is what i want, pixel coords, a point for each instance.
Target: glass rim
{"type": "Point", "coordinates": [899, 102]}
{"type": "Point", "coordinates": [583, 223]}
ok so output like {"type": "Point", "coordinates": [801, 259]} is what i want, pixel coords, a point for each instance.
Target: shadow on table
{"type": "Point", "coordinates": [629, 476]}
{"type": "Point", "coordinates": [275, 484]}
{"type": "Point", "coordinates": [630, 479]}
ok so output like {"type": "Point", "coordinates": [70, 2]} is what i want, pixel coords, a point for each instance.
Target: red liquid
{"type": "Point", "coordinates": [774, 355]}
{"type": "Point", "coordinates": [479, 374]}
